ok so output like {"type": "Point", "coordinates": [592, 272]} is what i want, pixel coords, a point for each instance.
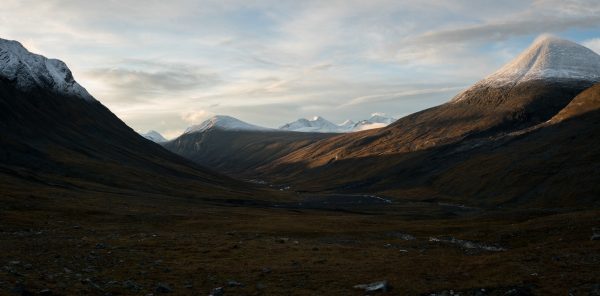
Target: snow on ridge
{"type": "Point", "coordinates": [28, 70]}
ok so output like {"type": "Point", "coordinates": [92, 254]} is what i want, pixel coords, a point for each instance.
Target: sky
{"type": "Point", "coordinates": [165, 65]}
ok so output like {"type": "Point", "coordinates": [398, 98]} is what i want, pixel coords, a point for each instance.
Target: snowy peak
{"type": "Point", "coordinates": [28, 71]}
{"type": "Point", "coordinates": [154, 136]}
{"type": "Point", "coordinates": [224, 122]}
{"type": "Point", "coordinates": [317, 124]}
{"type": "Point", "coordinates": [377, 120]}
{"type": "Point", "coordinates": [320, 125]}
{"type": "Point", "coordinates": [549, 58]}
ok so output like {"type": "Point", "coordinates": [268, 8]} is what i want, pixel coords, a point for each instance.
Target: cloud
{"type": "Point", "coordinates": [142, 81]}
{"type": "Point", "coordinates": [401, 94]}
{"type": "Point", "coordinates": [593, 44]}
{"type": "Point", "coordinates": [156, 63]}
{"type": "Point", "coordinates": [196, 117]}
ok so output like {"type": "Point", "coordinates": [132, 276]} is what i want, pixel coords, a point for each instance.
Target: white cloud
{"type": "Point", "coordinates": [196, 117]}
{"type": "Point", "coordinates": [593, 44]}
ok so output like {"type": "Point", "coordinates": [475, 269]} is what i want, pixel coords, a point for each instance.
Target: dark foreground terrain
{"type": "Point", "coordinates": [100, 244]}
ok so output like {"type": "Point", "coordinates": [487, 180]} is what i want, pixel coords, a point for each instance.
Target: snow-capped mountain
{"type": "Point", "coordinates": [29, 71]}
{"type": "Point", "coordinates": [317, 124]}
{"type": "Point", "coordinates": [320, 125]}
{"type": "Point", "coordinates": [224, 122]}
{"type": "Point", "coordinates": [548, 59]}
{"type": "Point", "coordinates": [377, 120]}
{"type": "Point", "coordinates": [347, 126]}
{"type": "Point", "coordinates": [154, 136]}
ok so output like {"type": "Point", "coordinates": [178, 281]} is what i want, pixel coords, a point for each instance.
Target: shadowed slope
{"type": "Point", "coordinates": [239, 152]}
{"type": "Point", "coordinates": [55, 135]}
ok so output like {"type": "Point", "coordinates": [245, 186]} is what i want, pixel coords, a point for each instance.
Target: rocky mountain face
{"type": "Point", "coordinates": [56, 135]}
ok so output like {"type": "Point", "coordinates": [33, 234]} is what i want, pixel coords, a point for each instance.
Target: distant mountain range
{"type": "Point", "coordinates": [320, 125]}
{"type": "Point", "coordinates": [316, 125]}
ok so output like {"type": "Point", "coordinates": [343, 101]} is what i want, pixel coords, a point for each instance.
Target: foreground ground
{"type": "Point", "coordinates": [95, 244]}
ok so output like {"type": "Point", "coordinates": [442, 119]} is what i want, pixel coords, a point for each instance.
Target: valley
{"type": "Point", "coordinates": [494, 192]}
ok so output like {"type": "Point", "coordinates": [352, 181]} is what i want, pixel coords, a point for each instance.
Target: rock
{"type": "Point", "coordinates": [595, 234]}
{"type": "Point", "coordinates": [266, 270]}
{"type": "Point", "coordinates": [46, 292]}
{"type": "Point", "coordinates": [232, 283]}
{"type": "Point", "coordinates": [283, 240]}
{"type": "Point", "coordinates": [163, 288]}
{"type": "Point", "coordinates": [217, 291]}
{"type": "Point", "coordinates": [381, 286]}
{"type": "Point", "coordinates": [101, 246]}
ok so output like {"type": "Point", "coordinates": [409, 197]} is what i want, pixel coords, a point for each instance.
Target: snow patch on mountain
{"type": "Point", "coordinates": [548, 58]}
{"type": "Point", "coordinates": [224, 122]}
{"type": "Point", "coordinates": [154, 136]}
{"type": "Point", "coordinates": [377, 120]}
{"type": "Point", "coordinates": [317, 124]}
{"type": "Point", "coordinates": [28, 71]}
{"type": "Point", "coordinates": [320, 125]}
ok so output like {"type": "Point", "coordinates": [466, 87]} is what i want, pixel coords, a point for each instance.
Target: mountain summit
{"type": "Point", "coordinates": [550, 57]}
{"type": "Point", "coordinates": [547, 59]}
{"type": "Point", "coordinates": [29, 71]}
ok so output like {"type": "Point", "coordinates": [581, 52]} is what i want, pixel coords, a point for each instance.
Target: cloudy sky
{"type": "Point", "coordinates": [165, 65]}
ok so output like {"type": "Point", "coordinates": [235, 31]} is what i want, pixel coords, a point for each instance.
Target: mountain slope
{"type": "Point", "coordinates": [496, 145]}
{"type": "Point", "coordinates": [239, 152]}
{"type": "Point", "coordinates": [483, 110]}
{"type": "Point", "coordinates": [55, 135]}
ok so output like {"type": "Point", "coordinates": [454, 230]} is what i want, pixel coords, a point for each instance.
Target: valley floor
{"type": "Point", "coordinates": [96, 244]}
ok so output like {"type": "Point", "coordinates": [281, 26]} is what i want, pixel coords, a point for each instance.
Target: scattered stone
{"type": "Point", "coordinates": [595, 234]}
{"type": "Point", "coordinates": [232, 283]}
{"type": "Point", "coordinates": [266, 270]}
{"type": "Point", "coordinates": [381, 286]}
{"type": "Point", "coordinates": [163, 288]}
{"type": "Point", "coordinates": [283, 240]}
{"type": "Point", "coordinates": [466, 244]}
{"type": "Point", "coordinates": [217, 292]}
{"type": "Point", "coordinates": [46, 292]}
{"type": "Point", "coordinates": [101, 246]}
